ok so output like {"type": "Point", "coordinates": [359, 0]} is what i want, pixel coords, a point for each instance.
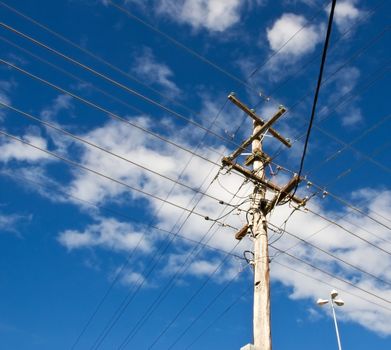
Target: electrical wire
{"type": "Point", "coordinates": [73, 76]}
{"type": "Point", "coordinates": [219, 317]}
{"type": "Point", "coordinates": [349, 146]}
{"type": "Point", "coordinates": [119, 182]}
{"type": "Point", "coordinates": [320, 189]}
{"type": "Point", "coordinates": [105, 111]}
{"type": "Point", "coordinates": [193, 254]}
{"type": "Point", "coordinates": [335, 257]}
{"type": "Point", "coordinates": [335, 277]}
{"type": "Point", "coordinates": [91, 144]}
{"type": "Point", "coordinates": [348, 231]}
{"type": "Point", "coordinates": [326, 79]}
{"type": "Point", "coordinates": [338, 40]}
{"type": "Point", "coordinates": [341, 217]}
{"type": "Point", "coordinates": [117, 213]}
{"type": "Point", "coordinates": [362, 17]}
{"type": "Point", "coordinates": [112, 81]}
{"type": "Point", "coordinates": [325, 112]}
{"type": "Point", "coordinates": [330, 285]}
{"type": "Point", "coordinates": [132, 293]}
{"type": "Point", "coordinates": [204, 310]}
{"type": "Point", "coordinates": [97, 58]}
{"type": "Point", "coordinates": [122, 308]}
{"type": "Point", "coordinates": [122, 215]}
{"type": "Point", "coordinates": [195, 294]}
{"type": "Point", "coordinates": [322, 64]}
{"type": "Point", "coordinates": [187, 49]}
{"type": "Point", "coordinates": [276, 52]}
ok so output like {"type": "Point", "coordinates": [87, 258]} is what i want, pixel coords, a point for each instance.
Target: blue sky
{"type": "Point", "coordinates": [90, 229]}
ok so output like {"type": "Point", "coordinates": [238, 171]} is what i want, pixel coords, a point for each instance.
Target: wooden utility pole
{"type": "Point", "coordinates": [261, 313]}
{"type": "Point", "coordinates": [260, 207]}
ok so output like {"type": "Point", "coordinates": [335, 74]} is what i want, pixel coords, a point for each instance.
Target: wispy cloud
{"type": "Point", "coordinates": [147, 68]}
{"type": "Point", "coordinates": [59, 104]}
{"type": "Point", "coordinates": [12, 222]}
{"type": "Point", "coordinates": [6, 87]}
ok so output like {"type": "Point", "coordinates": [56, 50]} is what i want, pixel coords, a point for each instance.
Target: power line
{"type": "Point", "coordinates": [220, 316]}
{"type": "Point", "coordinates": [349, 145]}
{"type": "Point", "coordinates": [194, 295]}
{"type": "Point", "coordinates": [342, 101]}
{"type": "Point", "coordinates": [122, 215]}
{"type": "Point", "coordinates": [119, 182]}
{"type": "Point", "coordinates": [328, 77]}
{"type": "Point", "coordinates": [96, 57]}
{"type": "Point", "coordinates": [14, 176]}
{"type": "Point", "coordinates": [121, 309]}
{"type": "Point", "coordinates": [345, 98]}
{"type": "Point", "coordinates": [321, 189]}
{"type": "Point", "coordinates": [187, 49]}
{"type": "Point", "coordinates": [335, 257]}
{"type": "Point", "coordinates": [204, 310]}
{"type": "Point", "coordinates": [353, 56]}
{"type": "Point", "coordinates": [130, 335]}
{"type": "Point", "coordinates": [348, 231]}
{"type": "Point", "coordinates": [85, 168]}
{"type": "Point", "coordinates": [361, 18]}
{"type": "Point", "coordinates": [276, 52]}
{"type": "Point", "coordinates": [118, 313]}
{"type": "Point", "coordinates": [105, 111]}
{"type": "Point", "coordinates": [344, 173]}
{"type": "Point", "coordinates": [67, 73]}
{"type": "Point", "coordinates": [64, 91]}
{"type": "Point", "coordinates": [335, 277]}
{"type": "Point", "coordinates": [330, 285]}
{"type": "Point", "coordinates": [122, 158]}
{"type": "Point", "coordinates": [322, 64]}
{"type": "Point", "coordinates": [91, 144]}
{"type": "Point", "coordinates": [130, 297]}
{"type": "Point", "coordinates": [114, 82]}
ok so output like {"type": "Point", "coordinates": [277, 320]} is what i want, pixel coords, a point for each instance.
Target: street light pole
{"type": "Point", "coordinates": [336, 325]}
{"type": "Point", "coordinates": [332, 301]}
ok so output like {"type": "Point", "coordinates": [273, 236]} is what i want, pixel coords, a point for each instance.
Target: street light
{"type": "Point", "coordinates": [338, 302]}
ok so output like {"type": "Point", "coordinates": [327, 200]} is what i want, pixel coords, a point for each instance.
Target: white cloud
{"type": "Point", "coordinates": [284, 28]}
{"type": "Point", "coordinates": [346, 14]}
{"type": "Point", "coordinates": [15, 150]}
{"type": "Point", "coordinates": [108, 233]}
{"type": "Point", "coordinates": [213, 15]}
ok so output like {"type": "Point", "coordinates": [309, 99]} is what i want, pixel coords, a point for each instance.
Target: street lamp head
{"type": "Point", "coordinates": [333, 294]}
{"type": "Point", "coordinates": [321, 302]}
{"type": "Point", "coordinates": [339, 302]}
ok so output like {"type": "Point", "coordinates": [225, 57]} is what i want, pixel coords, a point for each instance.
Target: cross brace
{"type": "Point", "coordinates": [260, 121]}
{"type": "Point", "coordinates": [271, 186]}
